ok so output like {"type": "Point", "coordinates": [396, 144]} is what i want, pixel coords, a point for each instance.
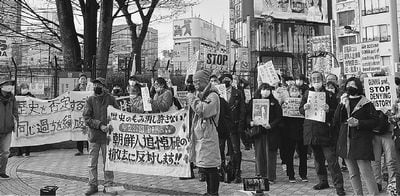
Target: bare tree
{"type": "Point", "coordinates": [145, 9]}
{"type": "Point", "coordinates": [104, 42]}
{"type": "Point", "coordinates": [89, 11]}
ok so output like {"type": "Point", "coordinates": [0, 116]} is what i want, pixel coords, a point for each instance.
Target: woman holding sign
{"type": "Point", "coordinates": [266, 140]}
{"type": "Point", "coordinates": [136, 100]}
{"type": "Point", "coordinates": [356, 117]}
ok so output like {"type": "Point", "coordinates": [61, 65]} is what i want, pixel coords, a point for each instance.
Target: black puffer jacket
{"type": "Point", "coordinates": [8, 113]}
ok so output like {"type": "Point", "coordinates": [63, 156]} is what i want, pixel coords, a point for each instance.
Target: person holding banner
{"type": "Point", "coordinates": [319, 136]}
{"type": "Point", "coordinates": [95, 115]}
{"type": "Point", "coordinates": [162, 100]}
{"type": "Point", "coordinates": [266, 142]}
{"type": "Point", "coordinates": [205, 146]}
{"type": "Point", "coordinates": [355, 118]}
{"type": "Point", "coordinates": [8, 122]}
{"type": "Point", "coordinates": [293, 138]}
{"type": "Point", "coordinates": [82, 86]}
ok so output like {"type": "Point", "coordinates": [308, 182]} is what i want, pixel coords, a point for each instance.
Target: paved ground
{"type": "Point", "coordinates": [69, 173]}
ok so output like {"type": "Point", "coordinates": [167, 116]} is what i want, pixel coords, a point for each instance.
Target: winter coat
{"type": "Point", "coordinates": [356, 142]}
{"type": "Point", "coordinates": [79, 87]}
{"type": "Point", "coordinates": [319, 133]}
{"type": "Point", "coordinates": [238, 110]}
{"type": "Point", "coordinates": [162, 101]}
{"type": "Point", "coordinates": [204, 133]}
{"type": "Point", "coordinates": [8, 113]}
{"type": "Point", "coordinates": [136, 105]}
{"type": "Point", "coordinates": [95, 115]}
{"type": "Point", "coordinates": [275, 117]}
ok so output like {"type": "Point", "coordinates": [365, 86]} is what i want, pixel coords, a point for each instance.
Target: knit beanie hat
{"type": "Point", "coordinates": [202, 76]}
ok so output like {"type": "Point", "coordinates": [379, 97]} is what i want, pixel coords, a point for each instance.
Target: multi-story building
{"type": "Point", "coordinates": [368, 22]}
{"type": "Point", "coordinates": [192, 35]}
{"type": "Point", "coordinates": [121, 46]}
{"type": "Point", "coordinates": [276, 30]}
{"type": "Point", "coordinates": [10, 20]}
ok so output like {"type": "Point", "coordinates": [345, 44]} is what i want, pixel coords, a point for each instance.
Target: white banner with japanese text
{"type": "Point", "coordinates": [150, 144]}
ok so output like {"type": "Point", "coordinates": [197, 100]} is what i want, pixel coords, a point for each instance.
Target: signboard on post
{"type": "Point", "coordinates": [352, 59]}
{"type": "Point", "coordinates": [381, 91]}
{"type": "Point", "coordinates": [5, 48]}
{"type": "Point", "coordinates": [150, 144]}
{"type": "Point", "coordinates": [214, 60]}
{"type": "Point", "coordinates": [370, 57]}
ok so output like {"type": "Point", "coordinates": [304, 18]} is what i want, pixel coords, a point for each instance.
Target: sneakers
{"type": "Point", "coordinates": [340, 191]}
{"type": "Point", "coordinates": [92, 190]}
{"type": "Point", "coordinates": [202, 178]}
{"type": "Point", "coordinates": [4, 176]}
{"type": "Point", "coordinates": [78, 153]}
{"type": "Point", "coordinates": [292, 180]}
{"type": "Point", "coordinates": [304, 179]}
{"type": "Point", "coordinates": [321, 186]}
{"type": "Point", "coordinates": [271, 182]}
{"type": "Point", "coordinates": [187, 178]}
{"type": "Point", "coordinates": [284, 167]}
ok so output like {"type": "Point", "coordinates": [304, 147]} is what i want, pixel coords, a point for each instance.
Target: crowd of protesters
{"type": "Point", "coordinates": [353, 130]}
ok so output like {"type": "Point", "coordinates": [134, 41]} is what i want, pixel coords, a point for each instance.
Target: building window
{"type": "Point", "coordinates": [375, 7]}
{"type": "Point", "coordinates": [385, 60]}
{"type": "Point", "coordinates": [376, 33]}
{"type": "Point", "coordinates": [346, 41]}
{"type": "Point", "coordinates": [346, 18]}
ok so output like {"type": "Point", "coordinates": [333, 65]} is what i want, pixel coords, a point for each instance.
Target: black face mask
{"type": "Point", "coordinates": [116, 91]}
{"type": "Point", "coordinates": [351, 90]}
{"type": "Point", "coordinates": [191, 88]}
{"type": "Point", "coordinates": [98, 90]}
{"type": "Point", "coordinates": [227, 84]}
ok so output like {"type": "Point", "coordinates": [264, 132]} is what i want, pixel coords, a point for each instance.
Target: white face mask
{"type": "Point", "coordinates": [317, 85]}
{"type": "Point", "coordinates": [24, 91]}
{"type": "Point", "coordinates": [265, 93]}
{"type": "Point", "coordinates": [295, 94]}
{"type": "Point", "coordinates": [299, 82]}
{"type": "Point", "coordinates": [131, 82]}
{"type": "Point", "coordinates": [7, 88]}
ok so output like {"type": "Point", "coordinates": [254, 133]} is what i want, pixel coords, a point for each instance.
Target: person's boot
{"type": "Point", "coordinates": [92, 190]}
{"type": "Point", "coordinates": [321, 185]}
{"type": "Point", "coordinates": [238, 177]}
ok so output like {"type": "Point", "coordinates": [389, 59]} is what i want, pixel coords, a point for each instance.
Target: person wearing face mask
{"type": "Point", "coordinates": [237, 109]}
{"type": "Point", "coordinates": [81, 87]}
{"type": "Point", "coordinates": [320, 137]}
{"type": "Point", "coordinates": [355, 118]}
{"type": "Point", "coordinates": [95, 116]}
{"type": "Point", "coordinates": [301, 83]}
{"type": "Point", "coordinates": [266, 144]}
{"type": "Point", "coordinates": [133, 81]}
{"type": "Point", "coordinates": [24, 91]}
{"type": "Point", "coordinates": [162, 100]}
{"type": "Point", "coordinates": [135, 96]}
{"type": "Point", "coordinates": [8, 122]}
{"type": "Point", "coordinates": [117, 91]}
{"type": "Point", "coordinates": [292, 137]}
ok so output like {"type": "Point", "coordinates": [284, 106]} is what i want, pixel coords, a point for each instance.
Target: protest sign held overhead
{"type": "Point", "coordinates": [146, 97]}
{"type": "Point", "coordinates": [317, 101]}
{"type": "Point", "coordinates": [290, 107]}
{"type": "Point", "coordinates": [260, 111]}
{"type": "Point", "coordinates": [267, 73]}
{"type": "Point", "coordinates": [381, 91]}
{"type": "Point", "coordinates": [214, 60]}
{"type": "Point", "coordinates": [150, 144]}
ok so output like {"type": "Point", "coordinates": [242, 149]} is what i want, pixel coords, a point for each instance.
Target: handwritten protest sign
{"type": "Point", "coordinates": [222, 91]}
{"type": "Point", "coordinates": [381, 91]}
{"type": "Point", "coordinates": [352, 58]}
{"type": "Point", "coordinates": [370, 57]}
{"type": "Point", "coordinates": [290, 107]}
{"type": "Point", "coordinates": [146, 98]}
{"type": "Point", "coordinates": [317, 101]}
{"type": "Point", "coordinates": [182, 97]}
{"type": "Point", "coordinates": [151, 144]}
{"type": "Point", "coordinates": [50, 121]}
{"type": "Point", "coordinates": [124, 103]}
{"type": "Point", "coordinates": [260, 111]}
{"type": "Point", "coordinates": [267, 73]}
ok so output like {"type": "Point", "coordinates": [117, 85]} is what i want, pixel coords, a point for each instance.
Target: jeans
{"type": "Point", "coordinates": [329, 153]}
{"type": "Point", "coordinates": [5, 142]}
{"type": "Point", "coordinates": [364, 167]}
{"type": "Point", "coordinates": [237, 154]}
{"type": "Point", "coordinates": [212, 180]}
{"type": "Point", "coordinates": [93, 162]}
{"type": "Point", "coordinates": [265, 158]}
{"type": "Point", "coordinates": [289, 149]}
{"type": "Point", "coordinates": [384, 144]}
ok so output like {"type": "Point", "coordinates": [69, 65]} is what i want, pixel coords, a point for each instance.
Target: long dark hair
{"type": "Point", "coordinates": [358, 83]}
{"type": "Point", "coordinates": [263, 86]}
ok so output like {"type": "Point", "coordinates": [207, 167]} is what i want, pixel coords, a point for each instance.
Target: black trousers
{"type": "Point", "coordinates": [328, 153]}
{"type": "Point", "coordinates": [288, 149]}
{"type": "Point", "coordinates": [212, 180]}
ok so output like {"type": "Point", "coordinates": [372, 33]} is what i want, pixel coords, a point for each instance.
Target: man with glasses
{"type": "Point", "coordinates": [320, 137]}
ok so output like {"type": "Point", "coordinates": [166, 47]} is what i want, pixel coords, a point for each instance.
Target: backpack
{"type": "Point", "coordinates": [225, 121]}
{"type": "Point", "coordinates": [383, 125]}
